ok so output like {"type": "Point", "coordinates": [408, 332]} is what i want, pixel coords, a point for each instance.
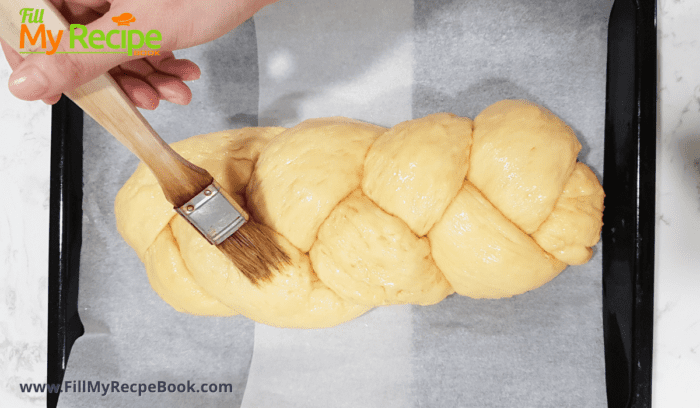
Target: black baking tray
{"type": "Point", "coordinates": [628, 233]}
{"type": "Point", "coordinates": [629, 173]}
{"type": "Point", "coordinates": [65, 238]}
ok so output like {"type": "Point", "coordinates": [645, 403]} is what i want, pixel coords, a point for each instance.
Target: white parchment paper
{"type": "Point", "coordinates": [382, 61]}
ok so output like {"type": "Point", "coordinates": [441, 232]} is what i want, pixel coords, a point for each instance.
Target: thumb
{"type": "Point", "coordinates": [42, 76]}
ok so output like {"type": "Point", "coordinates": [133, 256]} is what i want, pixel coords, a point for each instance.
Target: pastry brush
{"type": "Point", "coordinates": [193, 192]}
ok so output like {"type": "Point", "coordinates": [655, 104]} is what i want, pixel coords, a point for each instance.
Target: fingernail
{"type": "Point", "coordinates": [145, 101]}
{"type": "Point", "coordinates": [28, 83]}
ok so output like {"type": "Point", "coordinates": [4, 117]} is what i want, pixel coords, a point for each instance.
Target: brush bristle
{"type": "Point", "coordinates": [254, 252]}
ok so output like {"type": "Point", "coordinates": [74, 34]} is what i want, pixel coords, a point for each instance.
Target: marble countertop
{"type": "Point", "coordinates": [676, 364]}
{"type": "Point", "coordinates": [24, 178]}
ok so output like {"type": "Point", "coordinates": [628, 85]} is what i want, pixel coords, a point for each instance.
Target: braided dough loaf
{"type": "Point", "coordinates": [371, 216]}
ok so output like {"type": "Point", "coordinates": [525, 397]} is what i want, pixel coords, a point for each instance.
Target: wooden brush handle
{"type": "Point", "coordinates": [107, 104]}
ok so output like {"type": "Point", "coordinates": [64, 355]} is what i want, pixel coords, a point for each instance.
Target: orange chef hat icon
{"type": "Point", "coordinates": [124, 19]}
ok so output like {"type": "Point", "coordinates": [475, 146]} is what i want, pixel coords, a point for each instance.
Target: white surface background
{"type": "Point", "coordinates": [24, 182]}
{"type": "Point", "coordinates": [676, 366]}
{"type": "Point", "coordinates": [25, 156]}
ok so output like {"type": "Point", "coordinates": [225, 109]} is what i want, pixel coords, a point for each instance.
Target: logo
{"type": "Point", "coordinates": [124, 19]}
{"type": "Point", "coordinates": [117, 41]}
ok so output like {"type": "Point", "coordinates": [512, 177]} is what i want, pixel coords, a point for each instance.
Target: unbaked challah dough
{"type": "Point", "coordinates": [371, 216]}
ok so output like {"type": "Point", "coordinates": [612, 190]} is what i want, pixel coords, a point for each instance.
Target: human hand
{"type": "Point", "coordinates": [182, 23]}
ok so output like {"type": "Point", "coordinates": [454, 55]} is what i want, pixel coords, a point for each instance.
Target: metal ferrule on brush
{"type": "Point", "coordinates": [214, 213]}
